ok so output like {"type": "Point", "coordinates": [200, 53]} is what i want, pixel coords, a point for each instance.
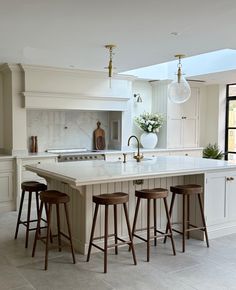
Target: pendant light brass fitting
{"type": "Point", "coordinates": [110, 66]}
{"type": "Point", "coordinates": [179, 73]}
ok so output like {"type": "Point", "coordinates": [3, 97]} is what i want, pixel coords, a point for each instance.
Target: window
{"type": "Point", "coordinates": [230, 131]}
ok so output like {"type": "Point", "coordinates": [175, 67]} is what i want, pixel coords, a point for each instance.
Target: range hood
{"type": "Point", "coordinates": [57, 88]}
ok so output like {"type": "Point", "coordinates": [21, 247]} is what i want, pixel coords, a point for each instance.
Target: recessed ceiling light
{"type": "Point", "coordinates": [175, 33]}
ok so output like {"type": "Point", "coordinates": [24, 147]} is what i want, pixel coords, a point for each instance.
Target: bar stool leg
{"type": "Point", "coordinates": [188, 216]}
{"type": "Point", "coordinates": [105, 238]}
{"type": "Point", "coordinates": [69, 232]}
{"type": "Point", "coordinates": [48, 235]}
{"type": "Point", "coordinates": [155, 220]}
{"type": "Point", "coordinates": [169, 226]}
{"type": "Point", "coordinates": [171, 209]}
{"type": "Point", "coordinates": [148, 230]}
{"type": "Point", "coordinates": [92, 231]}
{"type": "Point", "coordinates": [58, 228]}
{"type": "Point", "coordinates": [28, 220]}
{"type": "Point", "coordinates": [19, 214]}
{"type": "Point", "coordinates": [129, 232]}
{"type": "Point", "coordinates": [184, 225]}
{"type": "Point", "coordinates": [115, 228]}
{"type": "Point", "coordinates": [203, 219]}
{"type": "Point", "coordinates": [37, 230]}
{"type": "Point", "coordinates": [37, 205]}
{"type": "Point", "coordinates": [46, 211]}
{"type": "Point", "coordinates": [136, 215]}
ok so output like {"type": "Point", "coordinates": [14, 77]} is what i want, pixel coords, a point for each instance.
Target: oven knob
{"type": "Point", "coordinates": [76, 158]}
{"type": "Point", "coordinates": [86, 157]}
{"type": "Point", "coordinates": [91, 157]}
{"type": "Point", "coordinates": [81, 158]}
{"type": "Point", "coordinates": [95, 157]}
{"type": "Point", "coordinates": [71, 158]}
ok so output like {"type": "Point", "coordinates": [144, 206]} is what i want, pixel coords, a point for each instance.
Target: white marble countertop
{"type": "Point", "coordinates": [96, 172]}
{"type": "Point", "coordinates": [108, 151]}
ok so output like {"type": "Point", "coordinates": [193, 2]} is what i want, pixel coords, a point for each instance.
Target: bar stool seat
{"type": "Point", "coordinates": [152, 194]}
{"type": "Point", "coordinates": [50, 198]}
{"type": "Point", "coordinates": [54, 197]}
{"type": "Point", "coordinates": [30, 187]}
{"type": "Point", "coordinates": [33, 186]}
{"type": "Point", "coordinates": [111, 198]}
{"type": "Point", "coordinates": [117, 198]}
{"type": "Point", "coordinates": [186, 191]}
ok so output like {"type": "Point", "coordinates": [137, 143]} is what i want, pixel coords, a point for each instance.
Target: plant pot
{"type": "Point", "coordinates": [149, 140]}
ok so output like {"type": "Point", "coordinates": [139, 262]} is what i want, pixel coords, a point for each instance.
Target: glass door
{"type": "Point", "coordinates": [230, 131]}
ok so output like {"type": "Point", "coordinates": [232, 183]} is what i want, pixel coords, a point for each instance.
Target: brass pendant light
{"type": "Point", "coordinates": [110, 64]}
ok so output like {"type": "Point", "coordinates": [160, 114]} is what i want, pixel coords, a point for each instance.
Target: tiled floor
{"type": "Point", "coordinates": [199, 268]}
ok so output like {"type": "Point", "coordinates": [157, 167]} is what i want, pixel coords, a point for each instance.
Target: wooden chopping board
{"type": "Point", "coordinates": [99, 138]}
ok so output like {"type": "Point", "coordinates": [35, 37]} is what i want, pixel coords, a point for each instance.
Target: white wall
{"type": "Point", "coordinates": [145, 90]}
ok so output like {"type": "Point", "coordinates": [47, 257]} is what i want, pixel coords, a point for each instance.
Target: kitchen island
{"type": "Point", "coordinates": [82, 180]}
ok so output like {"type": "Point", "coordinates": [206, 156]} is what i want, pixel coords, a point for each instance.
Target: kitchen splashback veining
{"type": "Point", "coordinates": [65, 129]}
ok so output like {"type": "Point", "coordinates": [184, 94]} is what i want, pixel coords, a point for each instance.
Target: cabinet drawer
{"type": "Point", "coordinates": [6, 165]}
{"type": "Point", "coordinates": [118, 157]}
{"type": "Point", "coordinates": [191, 153]}
{"type": "Point", "coordinates": [37, 161]}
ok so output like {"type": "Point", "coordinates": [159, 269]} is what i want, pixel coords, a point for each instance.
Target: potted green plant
{"type": "Point", "coordinates": [212, 151]}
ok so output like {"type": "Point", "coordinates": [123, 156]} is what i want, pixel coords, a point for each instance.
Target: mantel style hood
{"type": "Point", "coordinates": [55, 88]}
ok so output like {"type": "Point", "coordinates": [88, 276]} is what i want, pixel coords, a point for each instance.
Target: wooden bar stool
{"type": "Point", "coordinates": [30, 187]}
{"type": "Point", "coordinates": [186, 191]}
{"type": "Point", "coordinates": [49, 198]}
{"type": "Point", "coordinates": [110, 199]}
{"type": "Point", "coordinates": [152, 194]}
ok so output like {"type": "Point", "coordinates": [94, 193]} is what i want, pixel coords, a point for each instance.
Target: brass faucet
{"type": "Point", "coordinates": [139, 156]}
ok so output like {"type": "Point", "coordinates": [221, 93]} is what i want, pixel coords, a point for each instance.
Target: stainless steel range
{"type": "Point", "coordinates": [76, 154]}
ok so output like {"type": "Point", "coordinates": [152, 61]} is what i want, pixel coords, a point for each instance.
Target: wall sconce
{"type": "Point", "coordinates": [110, 64]}
{"type": "Point", "coordinates": [179, 90]}
{"type": "Point", "coordinates": [138, 98]}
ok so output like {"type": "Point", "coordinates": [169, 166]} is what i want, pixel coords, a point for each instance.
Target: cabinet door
{"type": "Point", "coordinates": [182, 123]}
{"type": "Point", "coordinates": [6, 186]}
{"type": "Point", "coordinates": [190, 137]}
{"type": "Point", "coordinates": [215, 197]}
{"type": "Point", "coordinates": [174, 133]}
{"type": "Point", "coordinates": [231, 196]}
{"type": "Point", "coordinates": [190, 120]}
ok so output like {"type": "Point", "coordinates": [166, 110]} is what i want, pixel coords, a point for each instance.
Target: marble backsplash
{"type": "Point", "coordinates": [65, 129]}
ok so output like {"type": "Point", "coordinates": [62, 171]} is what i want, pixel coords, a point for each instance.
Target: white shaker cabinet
{"type": "Point", "coordinates": [220, 201]}
{"type": "Point", "coordinates": [7, 177]}
{"type": "Point", "coordinates": [182, 122]}
{"type": "Point", "coordinates": [181, 129]}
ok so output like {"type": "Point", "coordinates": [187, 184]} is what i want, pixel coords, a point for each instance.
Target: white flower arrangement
{"type": "Point", "coordinates": [149, 122]}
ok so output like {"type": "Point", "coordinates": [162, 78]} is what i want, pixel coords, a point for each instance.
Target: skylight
{"type": "Point", "coordinates": [212, 62]}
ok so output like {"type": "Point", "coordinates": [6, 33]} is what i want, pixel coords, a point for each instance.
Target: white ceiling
{"type": "Point", "coordinates": [73, 32]}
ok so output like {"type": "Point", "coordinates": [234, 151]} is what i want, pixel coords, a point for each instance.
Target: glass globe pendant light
{"type": "Point", "coordinates": [179, 90]}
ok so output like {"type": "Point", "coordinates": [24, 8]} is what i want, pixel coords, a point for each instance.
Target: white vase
{"type": "Point", "coordinates": [149, 140]}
